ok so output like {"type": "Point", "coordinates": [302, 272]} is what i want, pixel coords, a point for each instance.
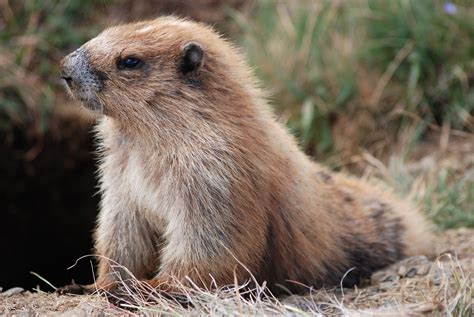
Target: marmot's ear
{"type": "Point", "coordinates": [191, 58]}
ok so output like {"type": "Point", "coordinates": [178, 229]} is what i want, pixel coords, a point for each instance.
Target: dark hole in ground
{"type": "Point", "coordinates": [48, 206]}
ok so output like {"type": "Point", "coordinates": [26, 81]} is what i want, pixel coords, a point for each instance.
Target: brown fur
{"type": "Point", "coordinates": [198, 179]}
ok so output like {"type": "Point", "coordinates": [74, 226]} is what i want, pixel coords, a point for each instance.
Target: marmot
{"type": "Point", "coordinates": [199, 181]}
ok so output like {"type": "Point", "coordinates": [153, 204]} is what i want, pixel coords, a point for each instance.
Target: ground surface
{"type": "Point", "coordinates": [415, 285]}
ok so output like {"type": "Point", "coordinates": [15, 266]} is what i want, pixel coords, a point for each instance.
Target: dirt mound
{"type": "Point", "coordinates": [415, 285]}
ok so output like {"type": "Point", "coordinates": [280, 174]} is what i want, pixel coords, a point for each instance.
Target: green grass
{"type": "Point", "coordinates": [441, 185]}
{"type": "Point", "coordinates": [35, 36]}
{"type": "Point", "coordinates": [437, 73]}
{"type": "Point", "coordinates": [451, 203]}
{"type": "Point", "coordinates": [309, 84]}
{"type": "Point", "coordinates": [374, 65]}
{"type": "Point", "coordinates": [369, 75]}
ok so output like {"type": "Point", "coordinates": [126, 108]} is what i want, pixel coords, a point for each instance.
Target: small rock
{"type": "Point", "coordinates": [390, 303]}
{"type": "Point", "coordinates": [377, 277]}
{"type": "Point", "coordinates": [415, 265]}
{"type": "Point", "coordinates": [74, 312]}
{"type": "Point", "coordinates": [440, 273]}
{"type": "Point", "coordinates": [387, 286]}
{"type": "Point", "coordinates": [12, 291]}
{"type": "Point", "coordinates": [446, 253]}
{"type": "Point", "coordinates": [411, 272]}
{"type": "Point", "coordinates": [402, 270]}
{"type": "Point", "coordinates": [374, 291]}
{"type": "Point", "coordinates": [423, 269]}
{"type": "Point", "coordinates": [390, 278]}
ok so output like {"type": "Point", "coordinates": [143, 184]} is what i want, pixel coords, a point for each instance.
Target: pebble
{"type": "Point", "coordinates": [423, 269]}
{"type": "Point", "coordinates": [390, 278]}
{"type": "Point", "coordinates": [402, 270]}
{"type": "Point", "coordinates": [411, 272]}
{"type": "Point", "coordinates": [12, 291]}
{"type": "Point", "coordinates": [447, 255]}
{"type": "Point", "coordinates": [440, 273]}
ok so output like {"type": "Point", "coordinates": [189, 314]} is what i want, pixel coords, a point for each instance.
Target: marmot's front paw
{"type": "Point", "coordinates": [75, 289]}
{"type": "Point", "coordinates": [133, 296]}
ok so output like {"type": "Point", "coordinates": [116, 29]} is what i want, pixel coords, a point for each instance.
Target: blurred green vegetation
{"type": "Point", "coordinates": [451, 203]}
{"type": "Point", "coordinates": [364, 65]}
{"type": "Point", "coordinates": [438, 72]}
{"type": "Point", "coordinates": [443, 188]}
{"type": "Point", "coordinates": [343, 75]}
{"type": "Point", "coordinates": [369, 75]}
{"type": "Point", "coordinates": [34, 36]}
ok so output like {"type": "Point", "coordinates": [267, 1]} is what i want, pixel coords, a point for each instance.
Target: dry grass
{"type": "Point", "coordinates": [439, 175]}
{"type": "Point", "coordinates": [444, 286]}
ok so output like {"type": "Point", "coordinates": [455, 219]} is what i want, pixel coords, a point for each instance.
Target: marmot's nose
{"type": "Point", "coordinates": [65, 71]}
{"type": "Point", "coordinates": [78, 76]}
{"type": "Point", "coordinates": [72, 68]}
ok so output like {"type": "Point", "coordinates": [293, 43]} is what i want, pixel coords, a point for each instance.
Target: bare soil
{"type": "Point", "coordinates": [416, 285]}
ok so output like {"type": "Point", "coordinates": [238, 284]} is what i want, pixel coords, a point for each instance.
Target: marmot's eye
{"type": "Point", "coordinates": [129, 62]}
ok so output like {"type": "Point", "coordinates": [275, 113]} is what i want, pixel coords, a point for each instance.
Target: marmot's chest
{"type": "Point", "coordinates": [151, 186]}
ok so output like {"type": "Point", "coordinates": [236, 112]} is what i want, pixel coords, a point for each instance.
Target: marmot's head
{"type": "Point", "coordinates": [170, 67]}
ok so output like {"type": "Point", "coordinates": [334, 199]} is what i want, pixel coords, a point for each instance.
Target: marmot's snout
{"type": "Point", "coordinates": [80, 80]}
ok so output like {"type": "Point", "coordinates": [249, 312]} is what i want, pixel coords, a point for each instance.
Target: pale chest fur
{"type": "Point", "coordinates": [130, 174]}
{"type": "Point", "coordinates": [144, 182]}
{"type": "Point", "coordinates": [175, 192]}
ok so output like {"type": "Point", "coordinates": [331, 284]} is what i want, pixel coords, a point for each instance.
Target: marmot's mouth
{"type": "Point", "coordinates": [67, 80]}
{"type": "Point", "coordinates": [87, 97]}
{"type": "Point", "coordinates": [92, 104]}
